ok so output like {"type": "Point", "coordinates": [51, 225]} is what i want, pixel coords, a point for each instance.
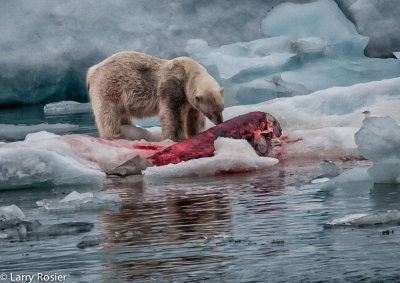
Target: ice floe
{"type": "Point", "coordinates": [75, 201]}
{"type": "Point", "coordinates": [10, 132]}
{"type": "Point", "coordinates": [391, 217]}
{"type": "Point", "coordinates": [44, 159]}
{"type": "Point", "coordinates": [66, 107]}
{"type": "Point", "coordinates": [15, 226]}
{"type": "Point", "coordinates": [47, 159]}
{"type": "Point", "coordinates": [230, 156]}
{"type": "Point", "coordinates": [348, 178]}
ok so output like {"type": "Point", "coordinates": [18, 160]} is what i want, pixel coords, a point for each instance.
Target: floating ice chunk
{"type": "Point", "coordinates": [22, 167]}
{"type": "Point", "coordinates": [346, 220]}
{"type": "Point", "coordinates": [348, 178]}
{"type": "Point", "coordinates": [45, 158]}
{"type": "Point", "coordinates": [230, 156]}
{"type": "Point", "coordinates": [83, 201]}
{"type": "Point", "coordinates": [60, 229]}
{"type": "Point", "coordinates": [91, 241]}
{"type": "Point", "coordinates": [321, 19]}
{"type": "Point", "coordinates": [379, 140]}
{"type": "Point", "coordinates": [10, 215]}
{"type": "Point", "coordinates": [18, 132]}
{"type": "Point", "coordinates": [365, 220]}
{"type": "Point", "coordinates": [319, 180]}
{"type": "Point", "coordinates": [328, 168]}
{"type": "Point", "coordinates": [397, 54]}
{"type": "Point", "coordinates": [66, 107]}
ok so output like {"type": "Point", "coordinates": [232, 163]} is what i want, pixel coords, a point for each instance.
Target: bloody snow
{"type": "Point", "coordinates": [258, 128]}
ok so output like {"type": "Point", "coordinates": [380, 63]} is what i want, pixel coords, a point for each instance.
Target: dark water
{"type": "Point", "coordinates": [262, 227]}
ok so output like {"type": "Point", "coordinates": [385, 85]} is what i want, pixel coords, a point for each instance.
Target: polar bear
{"type": "Point", "coordinates": [133, 84]}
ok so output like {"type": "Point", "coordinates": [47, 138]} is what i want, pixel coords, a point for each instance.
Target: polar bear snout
{"type": "Point", "coordinates": [216, 118]}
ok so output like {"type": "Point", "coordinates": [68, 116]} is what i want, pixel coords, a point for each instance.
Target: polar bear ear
{"type": "Point", "coordinates": [197, 98]}
{"type": "Point", "coordinates": [221, 90]}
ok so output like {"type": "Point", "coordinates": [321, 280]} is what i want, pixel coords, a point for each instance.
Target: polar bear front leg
{"type": "Point", "coordinates": [172, 124]}
{"type": "Point", "coordinates": [108, 121]}
{"type": "Point", "coordinates": [195, 122]}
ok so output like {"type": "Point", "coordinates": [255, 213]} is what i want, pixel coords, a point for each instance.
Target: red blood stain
{"type": "Point", "coordinates": [148, 146]}
{"type": "Point", "coordinates": [287, 140]}
{"type": "Point", "coordinates": [245, 126]}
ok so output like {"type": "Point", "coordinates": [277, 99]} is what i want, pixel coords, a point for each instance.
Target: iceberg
{"type": "Point", "coordinates": [75, 201]}
{"type": "Point", "coordinates": [379, 21]}
{"type": "Point", "coordinates": [318, 42]}
{"type": "Point", "coordinates": [63, 39]}
{"type": "Point", "coordinates": [321, 19]}
{"type": "Point", "coordinates": [379, 140]}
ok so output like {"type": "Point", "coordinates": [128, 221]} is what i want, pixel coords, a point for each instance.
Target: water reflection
{"type": "Point", "coordinates": [164, 226]}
